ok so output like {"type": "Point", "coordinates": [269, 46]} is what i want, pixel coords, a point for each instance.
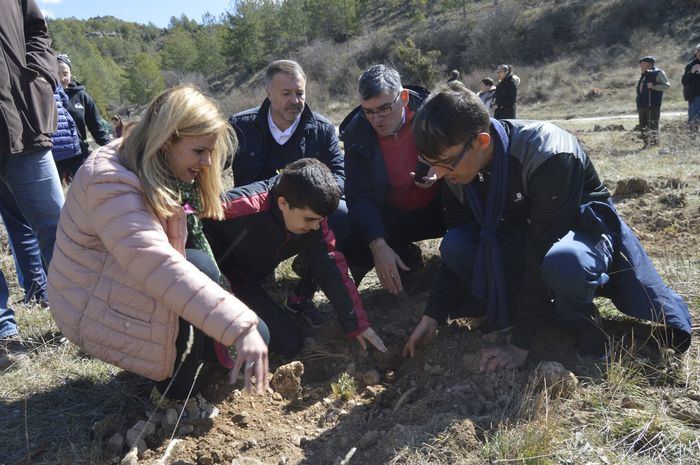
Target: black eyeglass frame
{"type": "Point", "coordinates": [384, 111]}
{"type": "Point", "coordinates": [451, 165]}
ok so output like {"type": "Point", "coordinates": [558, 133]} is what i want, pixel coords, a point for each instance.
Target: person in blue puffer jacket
{"type": "Point", "coordinates": [66, 140]}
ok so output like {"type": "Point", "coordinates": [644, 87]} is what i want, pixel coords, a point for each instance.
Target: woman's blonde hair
{"type": "Point", "coordinates": [178, 112]}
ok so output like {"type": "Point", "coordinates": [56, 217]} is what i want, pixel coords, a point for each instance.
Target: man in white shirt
{"type": "Point", "coordinates": [280, 131]}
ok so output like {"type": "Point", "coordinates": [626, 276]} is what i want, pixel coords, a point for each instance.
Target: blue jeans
{"type": "Point", "coordinates": [32, 181]}
{"type": "Point", "coordinates": [29, 267]}
{"type": "Point", "coordinates": [574, 268]}
{"type": "Point", "coordinates": [694, 110]}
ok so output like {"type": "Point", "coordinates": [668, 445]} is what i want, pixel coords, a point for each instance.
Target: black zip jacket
{"type": "Point", "coordinates": [691, 81]}
{"type": "Point", "coordinates": [252, 240]}
{"type": "Point", "coordinates": [86, 116]}
{"type": "Point", "coordinates": [506, 93]}
{"type": "Point", "coordinates": [549, 177]}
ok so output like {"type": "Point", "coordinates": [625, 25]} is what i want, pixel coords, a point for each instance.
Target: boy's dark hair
{"type": "Point", "coordinates": [450, 116]}
{"type": "Point", "coordinates": [487, 82]}
{"type": "Point", "coordinates": [308, 183]}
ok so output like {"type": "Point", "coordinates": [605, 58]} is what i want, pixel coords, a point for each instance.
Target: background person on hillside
{"type": "Point", "coordinates": [506, 93]}
{"type": "Point", "coordinates": [691, 87]}
{"type": "Point", "coordinates": [280, 131]}
{"type": "Point", "coordinates": [269, 221]}
{"type": "Point", "coordinates": [31, 186]}
{"type": "Point", "coordinates": [539, 223]}
{"type": "Point", "coordinates": [389, 208]}
{"type": "Point", "coordinates": [85, 114]}
{"type": "Point", "coordinates": [454, 76]}
{"type": "Point", "coordinates": [134, 282]}
{"type": "Point", "coordinates": [650, 87]}
{"type": "Point", "coordinates": [487, 94]}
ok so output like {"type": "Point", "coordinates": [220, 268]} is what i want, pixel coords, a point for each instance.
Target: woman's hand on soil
{"type": "Point", "coordinates": [251, 353]}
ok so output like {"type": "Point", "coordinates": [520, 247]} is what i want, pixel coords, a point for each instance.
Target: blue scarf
{"type": "Point", "coordinates": [488, 281]}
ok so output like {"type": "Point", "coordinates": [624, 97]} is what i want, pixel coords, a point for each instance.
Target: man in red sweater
{"type": "Point", "coordinates": [389, 207]}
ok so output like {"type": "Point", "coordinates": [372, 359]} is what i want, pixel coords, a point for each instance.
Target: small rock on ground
{"type": "Point", "coordinates": [287, 380]}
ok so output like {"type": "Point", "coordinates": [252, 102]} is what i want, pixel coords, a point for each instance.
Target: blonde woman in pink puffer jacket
{"type": "Point", "coordinates": [120, 285]}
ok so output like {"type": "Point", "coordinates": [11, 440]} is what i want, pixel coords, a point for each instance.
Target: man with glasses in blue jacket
{"type": "Point", "coordinates": [539, 236]}
{"type": "Point", "coordinates": [389, 206]}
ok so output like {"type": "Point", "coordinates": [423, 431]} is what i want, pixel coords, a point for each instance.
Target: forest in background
{"type": "Point", "coordinates": [124, 64]}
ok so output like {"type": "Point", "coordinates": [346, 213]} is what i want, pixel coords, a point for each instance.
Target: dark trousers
{"type": "Point", "coordinates": [649, 124]}
{"type": "Point", "coordinates": [285, 335]}
{"type": "Point", "coordinates": [185, 374]}
{"type": "Point", "coordinates": [403, 229]}
{"type": "Point", "coordinates": [68, 167]}
{"type": "Point", "coordinates": [452, 289]}
{"type": "Point", "coordinates": [573, 268]}
{"type": "Point", "coordinates": [202, 348]}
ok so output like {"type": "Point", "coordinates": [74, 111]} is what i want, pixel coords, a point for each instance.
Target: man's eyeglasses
{"type": "Point", "coordinates": [450, 164]}
{"type": "Point", "coordinates": [383, 111]}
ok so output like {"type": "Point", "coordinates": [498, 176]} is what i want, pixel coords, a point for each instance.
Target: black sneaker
{"type": "Point", "coordinates": [591, 338]}
{"type": "Point", "coordinates": [303, 307]}
{"type": "Point", "coordinates": [12, 351]}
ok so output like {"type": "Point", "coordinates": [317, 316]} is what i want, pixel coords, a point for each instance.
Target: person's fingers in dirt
{"type": "Point", "coordinates": [362, 342]}
{"type": "Point", "coordinates": [248, 376]}
{"type": "Point", "coordinates": [260, 375]}
{"type": "Point", "coordinates": [233, 374]}
{"type": "Point", "coordinates": [370, 335]}
{"type": "Point", "coordinates": [386, 277]}
{"type": "Point", "coordinates": [409, 349]}
{"type": "Point", "coordinates": [486, 356]}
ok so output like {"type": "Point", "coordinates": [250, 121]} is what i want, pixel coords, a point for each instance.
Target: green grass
{"type": "Point", "coordinates": [522, 444]}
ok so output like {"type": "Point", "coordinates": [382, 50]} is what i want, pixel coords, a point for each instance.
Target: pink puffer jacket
{"type": "Point", "coordinates": [119, 280]}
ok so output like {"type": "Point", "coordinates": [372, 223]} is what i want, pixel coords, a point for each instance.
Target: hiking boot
{"type": "Point", "coordinates": [196, 407]}
{"type": "Point", "coordinates": [591, 338]}
{"type": "Point", "coordinates": [304, 307]}
{"type": "Point", "coordinates": [12, 351]}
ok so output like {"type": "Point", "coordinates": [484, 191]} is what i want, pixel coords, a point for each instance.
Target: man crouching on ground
{"type": "Point", "coordinates": [269, 221]}
{"type": "Point", "coordinates": [537, 223]}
